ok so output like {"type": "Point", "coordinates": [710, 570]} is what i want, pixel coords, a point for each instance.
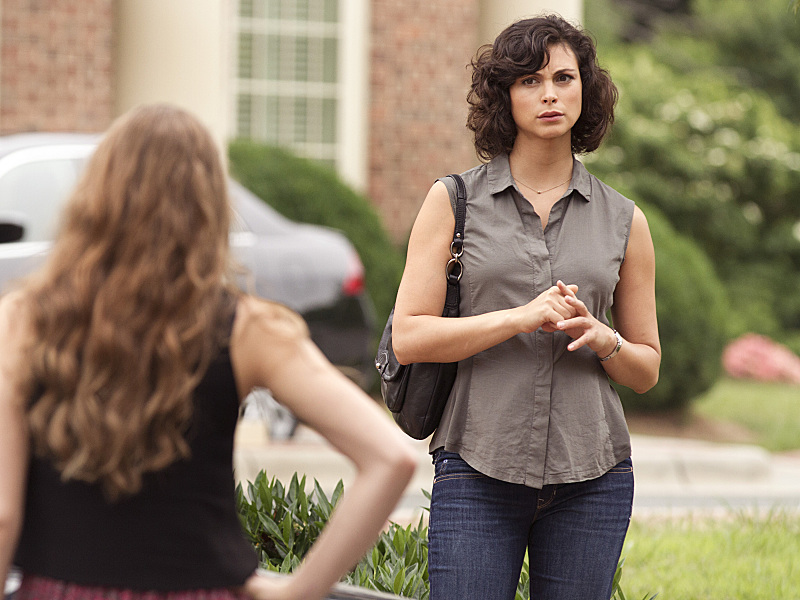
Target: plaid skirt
{"type": "Point", "coordinates": [43, 588]}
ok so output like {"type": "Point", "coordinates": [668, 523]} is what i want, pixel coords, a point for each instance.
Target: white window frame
{"type": "Point", "coordinates": [349, 150]}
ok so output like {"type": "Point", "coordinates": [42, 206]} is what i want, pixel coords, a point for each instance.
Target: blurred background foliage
{"type": "Point", "coordinates": [309, 192]}
{"type": "Point", "coordinates": [707, 134]}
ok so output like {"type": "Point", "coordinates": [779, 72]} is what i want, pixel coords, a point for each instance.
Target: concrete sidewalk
{"type": "Point", "coordinates": [673, 476]}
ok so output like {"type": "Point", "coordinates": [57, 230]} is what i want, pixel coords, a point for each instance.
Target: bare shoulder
{"type": "Point", "coordinates": [640, 238]}
{"type": "Point", "coordinates": [436, 206]}
{"type": "Point", "coordinates": [255, 316]}
{"type": "Point", "coordinates": [265, 334]}
{"type": "Point", "coordinates": [639, 218]}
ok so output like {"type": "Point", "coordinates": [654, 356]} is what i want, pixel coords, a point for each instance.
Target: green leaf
{"type": "Point", "coordinates": [337, 493]}
{"type": "Point", "coordinates": [322, 499]}
{"type": "Point", "coordinates": [270, 527]}
{"type": "Point", "coordinates": [288, 530]}
{"type": "Point", "coordinates": [397, 585]}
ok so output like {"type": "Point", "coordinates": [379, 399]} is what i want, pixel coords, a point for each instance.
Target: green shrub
{"type": "Point", "coordinates": [305, 191]}
{"type": "Point", "coordinates": [397, 564]}
{"type": "Point", "coordinates": [695, 138]}
{"type": "Point", "coordinates": [693, 313]}
{"type": "Point", "coordinates": [283, 522]}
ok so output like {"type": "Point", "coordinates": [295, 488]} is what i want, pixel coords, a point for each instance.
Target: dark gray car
{"type": "Point", "coordinates": [312, 269]}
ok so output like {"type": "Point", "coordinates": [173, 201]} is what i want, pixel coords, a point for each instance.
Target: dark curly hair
{"type": "Point", "coordinates": [523, 49]}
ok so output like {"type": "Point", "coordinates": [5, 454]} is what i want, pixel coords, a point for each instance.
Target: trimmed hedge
{"type": "Point", "coordinates": [693, 316]}
{"type": "Point", "coordinates": [306, 191]}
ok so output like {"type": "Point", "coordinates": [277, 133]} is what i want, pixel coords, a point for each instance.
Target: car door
{"type": "Point", "coordinates": [34, 185]}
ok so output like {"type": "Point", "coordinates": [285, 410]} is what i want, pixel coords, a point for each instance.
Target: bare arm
{"type": "Point", "coordinates": [13, 432]}
{"type": "Point", "coordinates": [300, 377]}
{"type": "Point", "coordinates": [419, 332]}
{"type": "Point", "coordinates": [634, 312]}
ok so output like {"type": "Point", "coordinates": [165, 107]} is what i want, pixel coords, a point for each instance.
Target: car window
{"type": "Point", "coordinates": [36, 191]}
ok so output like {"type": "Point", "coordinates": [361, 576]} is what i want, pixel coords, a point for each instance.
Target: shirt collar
{"type": "Point", "coordinates": [499, 176]}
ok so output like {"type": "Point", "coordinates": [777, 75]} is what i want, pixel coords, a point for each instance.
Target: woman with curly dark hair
{"type": "Point", "coordinates": [533, 452]}
{"type": "Point", "coordinates": [124, 362]}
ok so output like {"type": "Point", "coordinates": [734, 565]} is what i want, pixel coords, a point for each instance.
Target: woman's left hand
{"type": "Point", "coordinates": [584, 328]}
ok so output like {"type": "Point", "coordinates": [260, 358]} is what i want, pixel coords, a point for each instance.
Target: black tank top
{"type": "Point", "coordinates": [181, 532]}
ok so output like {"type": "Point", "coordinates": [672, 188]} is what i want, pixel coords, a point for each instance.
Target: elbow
{"type": "Point", "coordinates": [400, 346]}
{"type": "Point", "coordinates": [399, 461]}
{"type": "Point", "coordinates": [404, 463]}
{"type": "Point", "coordinates": [400, 353]}
{"type": "Point", "coordinates": [647, 373]}
{"type": "Point", "coordinates": [646, 385]}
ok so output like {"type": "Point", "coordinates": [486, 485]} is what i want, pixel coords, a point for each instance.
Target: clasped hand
{"type": "Point", "coordinates": [560, 309]}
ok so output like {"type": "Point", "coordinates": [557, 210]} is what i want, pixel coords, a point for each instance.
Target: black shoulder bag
{"type": "Point", "coordinates": [416, 394]}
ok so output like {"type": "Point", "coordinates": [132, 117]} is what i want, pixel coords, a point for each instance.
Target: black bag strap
{"type": "Point", "coordinates": [455, 269]}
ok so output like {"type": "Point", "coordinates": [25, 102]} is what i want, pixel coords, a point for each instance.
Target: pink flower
{"type": "Point", "coordinates": [754, 356]}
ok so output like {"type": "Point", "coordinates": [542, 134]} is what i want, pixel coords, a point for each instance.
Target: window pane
{"type": "Point", "coordinates": [246, 56]}
{"type": "Point", "coordinates": [301, 48]}
{"type": "Point", "coordinates": [271, 120]}
{"type": "Point", "coordinates": [288, 74]}
{"type": "Point", "coordinates": [330, 60]}
{"type": "Point", "coordinates": [244, 115]}
{"type": "Point", "coordinates": [300, 120]}
{"type": "Point", "coordinates": [246, 8]}
{"type": "Point", "coordinates": [331, 11]}
{"type": "Point", "coordinates": [271, 57]}
{"type": "Point", "coordinates": [329, 121]}
{"type": "Point", "coordinates": [302, 10]}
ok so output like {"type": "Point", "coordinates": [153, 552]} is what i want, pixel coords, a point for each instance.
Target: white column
{"type": "Point", "coordinates": [353, 111]}
{"type": "Point", "coordinates": [176, 51]}
{"type": "Point", "coordinates": [496, 15]}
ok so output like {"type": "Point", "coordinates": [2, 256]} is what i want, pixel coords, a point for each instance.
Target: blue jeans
{"type": "Point", "coordinates": [480, 528]}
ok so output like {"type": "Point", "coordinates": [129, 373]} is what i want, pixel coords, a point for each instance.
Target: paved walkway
{"type": "Point", "coordinates": [673, 476]}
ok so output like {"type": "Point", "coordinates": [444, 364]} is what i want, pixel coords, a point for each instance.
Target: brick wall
{"type": "Point", "coordinates": [55, 65]}
{"type": "Point", "coordinates": [419, 80]}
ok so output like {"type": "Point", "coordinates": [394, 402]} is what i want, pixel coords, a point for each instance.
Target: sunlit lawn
{"type": "Point", "coordinates": [771, 411]}
{"type": "Point", "coordinates": [741, 558]}
{"type": "Point", "coordinates": [737, 558]}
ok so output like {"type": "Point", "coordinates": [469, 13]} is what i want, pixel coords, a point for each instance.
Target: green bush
{"type": "Point", "coordinates": [283, 522]}
{"type": "Point", "coordinates": [693, 313]}
{"type": "Point", "coordinates": [700, 136]}
{"type": "Point", "coordinates": [305, 191]}
{"type": "Point", "coordinates": [398, 563]}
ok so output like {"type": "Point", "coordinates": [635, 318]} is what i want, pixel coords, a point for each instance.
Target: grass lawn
{"type": "Point", "coordinates": [736, 558]}
{"type": "Point", "coordinates": [741, 558]}
{"type": "Point", "coordinates": [771, 411]}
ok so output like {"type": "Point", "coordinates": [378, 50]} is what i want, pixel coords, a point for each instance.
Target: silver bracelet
{"type": "Point", "coordinates": [615, 350]}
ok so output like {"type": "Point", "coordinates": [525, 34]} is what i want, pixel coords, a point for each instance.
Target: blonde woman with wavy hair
{"type": "Point", "coordinates": [125, 360]}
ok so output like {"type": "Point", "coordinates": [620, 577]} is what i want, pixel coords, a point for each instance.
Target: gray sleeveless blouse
{"type": "Point", "coordinates": [528, 410]}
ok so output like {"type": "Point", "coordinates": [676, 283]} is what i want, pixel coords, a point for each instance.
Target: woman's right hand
{"type": "Point", "coordinates": [262, 587]}
{"type": "Point", "coordinates": [547, 309]}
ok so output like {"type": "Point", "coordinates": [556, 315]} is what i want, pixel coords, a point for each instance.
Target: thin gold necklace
{"type": "Point", "coordinates": [543, 191]}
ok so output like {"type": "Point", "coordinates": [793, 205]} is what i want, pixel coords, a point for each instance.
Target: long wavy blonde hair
{"type": "Point", "coordinates": [127, 313]}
